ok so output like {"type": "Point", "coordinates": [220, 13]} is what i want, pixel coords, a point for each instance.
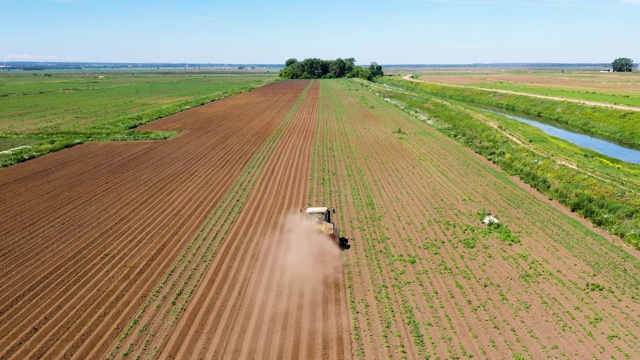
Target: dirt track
{"type": "Point", "coordinates": [584, 102]}
{"type": "Point", "coordinates": [88, 232]}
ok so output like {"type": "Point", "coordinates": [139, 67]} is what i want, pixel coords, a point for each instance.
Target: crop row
{"type": "Point", "coordinates": [169, 299]}
{"type": "Point", "coordinates": [427, 279]}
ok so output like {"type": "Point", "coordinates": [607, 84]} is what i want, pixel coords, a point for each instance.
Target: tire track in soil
{"type": "Point", "coordinates": [244, 308]}
{"type": "Point", "coordinates": [63, 238]}
{"type": "Point", "coordinates": [353, 190]}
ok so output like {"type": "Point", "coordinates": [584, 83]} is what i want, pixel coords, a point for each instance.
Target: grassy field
{"type": "Point", "coordinates": [612, 88]}
{"type": "Point", "coordinates": [59, 109]}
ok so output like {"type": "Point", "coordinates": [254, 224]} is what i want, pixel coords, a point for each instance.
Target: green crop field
{"type": "Point", "coordinates": [51, 111]}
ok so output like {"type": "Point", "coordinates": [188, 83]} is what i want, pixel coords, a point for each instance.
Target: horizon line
{"type": "Point", "coordinates": [282, 65]}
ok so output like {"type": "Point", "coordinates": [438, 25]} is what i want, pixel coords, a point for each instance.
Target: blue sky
{"type": "Point", "coordinates": [389, 32]}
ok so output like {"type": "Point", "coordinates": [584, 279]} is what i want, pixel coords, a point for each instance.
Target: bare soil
{"type": "Point", "coordinates": [87, 233]}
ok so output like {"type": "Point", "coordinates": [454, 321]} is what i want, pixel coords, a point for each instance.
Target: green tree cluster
{"type": "Point", "coordinates": [328, 69]}
{"type": "Point", "coordinates": [622, 65]}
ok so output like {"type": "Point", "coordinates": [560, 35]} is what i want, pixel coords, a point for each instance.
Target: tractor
{"type": "Point", "coordinates": [322, 217]}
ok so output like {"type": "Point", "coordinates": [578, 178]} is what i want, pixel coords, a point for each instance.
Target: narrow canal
{"type": "Point", "coordinates": [582, 140]}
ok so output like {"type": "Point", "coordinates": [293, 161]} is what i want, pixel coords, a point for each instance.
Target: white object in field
{"type": "Point", "coordinates": [490, 220]}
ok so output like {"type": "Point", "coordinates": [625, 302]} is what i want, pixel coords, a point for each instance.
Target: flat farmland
{"type": "Point", "coordinates": [42, 113]}
{"type": "Point", "coordinates": [612, 88]}
{"type": "Point", "coordinates": [426, 278]}
{"type": "Point", "coordinates": [89, 233]}
{"type": "Point", "coordinates": [65, 101]}
{"type": "Point", "coordinates": [188, 247]}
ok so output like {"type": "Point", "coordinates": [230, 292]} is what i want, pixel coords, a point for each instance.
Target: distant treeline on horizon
{"type": "Point", "coordinates": [34, 65]}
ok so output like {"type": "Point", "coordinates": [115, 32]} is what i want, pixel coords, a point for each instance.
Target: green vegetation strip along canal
{"type": "Point", "coordinates": [618, 125]}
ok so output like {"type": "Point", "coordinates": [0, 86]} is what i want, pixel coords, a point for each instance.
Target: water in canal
{"type": "Point", "coordinates": [585, 141]}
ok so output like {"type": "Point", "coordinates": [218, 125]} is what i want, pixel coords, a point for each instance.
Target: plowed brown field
{"type": "Point", "coordinates": [88, 232]}
{"type": "Point", "coordinates": [189, 248]}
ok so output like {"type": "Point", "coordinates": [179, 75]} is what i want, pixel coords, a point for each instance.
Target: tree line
{"type": "Point", "coordinates": [328, 69]}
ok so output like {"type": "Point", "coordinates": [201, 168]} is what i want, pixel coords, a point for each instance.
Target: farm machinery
{"type": "Point", "coordinates": [322, 217]}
